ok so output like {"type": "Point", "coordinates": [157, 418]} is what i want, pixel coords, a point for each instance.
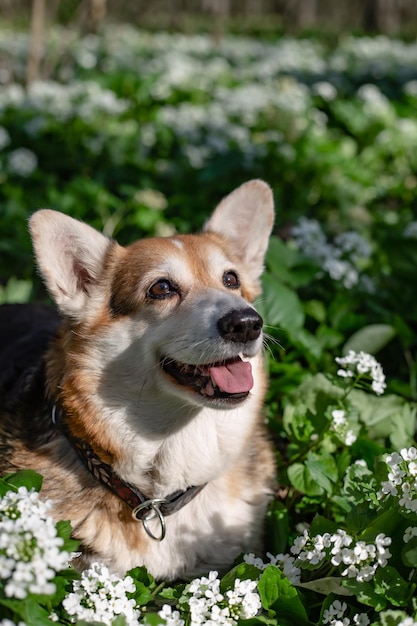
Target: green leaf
{"type": "Point", "coordinates": [371, 339]}
{"type": "Point", "coordinates": [298, 422]}
{"type": "Point", "coordinates": [359, 517]}
{"type": "Point", "coordinates": [171, 593]}
{"type": "Point", "coordinates": [280, 306]}
{"type": "Point", "coordinates": [386, 522]}
{"type": "Point", "coordinates": [301, 479]}
{"type": "Point", "coordinates": [316, 309]}
{"type": "Point", "coordinates": [387, 587]}
{"type": "Point", "coordinates": [280, 598]}
{"type": "Point", "coordinates": [390, 584]}
{"type": "Point", "coordinates": [409, 553]}
{"type": "Point", "coordinates": [277, 527]}
{"type": "Point", "coordinates": [323, 470]}
{"type": "Point", "coordinates": [143, 595]}
{"type": "Point", "coordinates": [151, 619]}
{"type": "Point", "coordinates": [16, 291]}
{"type": "Point", "coordinates": [141, 574]}
{"type": "Point", "coordinates": [243, 571]}
{"type": "Point", "coordinates": [387, 416]}
{"type": "Point", "coordinates": [120, 620]}
{"type": "Point", "coordinates": [279, 258]}
{"type": "Point", "coordinates": [25, 478]}
{"type": "Point", "coordinates": [261, 620]}
{"type": "Point", "coordinates": [321, 525]}
{"type": "Point", "coordinates": [366, 594]}
{"type": "Point", "coordinates": [316, 393]}
{"type": "Point", "coordinates": [28, 610]}
{"type": "Point", "coordinates": [325, 586]}
{"type": "Point", "coordinates": [307, 343]}
{"type": "Point", "coordinates": [64, 531]}
{"type": "Point", "coordinates": [144, 584]}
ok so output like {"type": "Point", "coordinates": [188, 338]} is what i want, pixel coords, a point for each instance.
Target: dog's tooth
{"type": "Point", "coordinates": [213, 382]}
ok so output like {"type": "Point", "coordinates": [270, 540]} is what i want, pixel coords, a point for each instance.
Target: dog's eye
{"type": "Point", "coordinates": [163, 288]}
{"type": "Point", "coordinates": [231, 280]}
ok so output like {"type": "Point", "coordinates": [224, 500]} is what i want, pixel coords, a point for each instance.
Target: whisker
{"type": "Point", "coordinates": [271, 339]}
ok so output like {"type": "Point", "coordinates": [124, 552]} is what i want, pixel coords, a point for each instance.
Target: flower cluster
{"type": "Point", "coordinates": [101, 596]}
{"type": "Point", "coordinates": [334, 615]}
{"type": "Point", "coordinates": [207, 605]}
{"type": "Point", "coordinates": [358, 559]}
{"type": "Point", "coordinates": [402, 478]}
{"type": "Point", "coordinates": [340, 427]}
{"type": "Point", "coordinates": [341, 259]}
{"type": "Point", "coordinates": [285, 562]}
{"type": "Point", "coordinates": [31, 552]}
{"type": "Point", "coordinates": [359, 365]}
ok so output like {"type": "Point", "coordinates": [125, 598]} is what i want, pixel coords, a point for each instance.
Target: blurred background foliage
{"type": "Point", "coordinates": [137, 118]}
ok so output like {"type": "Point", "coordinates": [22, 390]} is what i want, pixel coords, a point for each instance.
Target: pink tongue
{"type": "Point", "coordinates": [233, 377]}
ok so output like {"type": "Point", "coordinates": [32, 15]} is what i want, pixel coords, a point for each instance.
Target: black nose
{"type": "Point", "coordinates": [240, 325]}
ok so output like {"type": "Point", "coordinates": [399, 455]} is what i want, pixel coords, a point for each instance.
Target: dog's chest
{"type": "Point", "coordinates": [195, 454]}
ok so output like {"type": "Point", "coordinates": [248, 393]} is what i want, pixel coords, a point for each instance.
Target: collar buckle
{"type": "Point", "coordinates": [151, 510]}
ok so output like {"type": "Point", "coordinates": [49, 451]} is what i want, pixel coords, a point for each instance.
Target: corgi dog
{"type": "Point", "coordinates": [140, 401]}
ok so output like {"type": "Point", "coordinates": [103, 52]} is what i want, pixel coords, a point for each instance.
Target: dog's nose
{"type": "Point", "coordinates": [240, 325]}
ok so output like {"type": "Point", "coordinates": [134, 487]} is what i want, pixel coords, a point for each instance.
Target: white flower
{"type": "Point", "coordinates": [22, 162]}
{"type": "Point", "coordinates": [285, 562]}
{"type": "Point", "coordinates": [361, 619]}
{"type": "Point", "coordinates": [30, 551]}
{"type": "Point", "coordinates": [171, 616]}
{"type": "Point", "coordinates": [101, 596]}
{"type": "Point", "coordinates": [334, 611]}
{"type": "Point", "coordinates": [325, 90]}
{"type": "Point", "coordinates": [300, 542]}
{"type": "Point", "coordinates": [362, 559]}
{"type": "Point", "coordinates": [245, 596]}
{"type": "Point", "coordinates": [208, 606]}
{"type": "Point", "coordinates": [251, 559]}
{"type": "Point", "coordinates": [409, 454]}
{"type": "Point", "coordinates": [401, 477]}
{"type": "Point", "coordinates": [339, 417]}
{"type": "Point", "coordinates": [340, 427]}
{"type": "Point", "coordinates": [360, 364]}
{"type": "Point", "coordinates": [350, 438]}
{"type": "Point", "coordinates": [409, 533]}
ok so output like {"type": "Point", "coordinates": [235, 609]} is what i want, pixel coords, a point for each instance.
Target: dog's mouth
{"type": "Point", "coordinates": [228, 380]}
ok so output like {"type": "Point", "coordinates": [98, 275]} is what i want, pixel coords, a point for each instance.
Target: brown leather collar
{"type": "Point", "coordinates": [144, 509]}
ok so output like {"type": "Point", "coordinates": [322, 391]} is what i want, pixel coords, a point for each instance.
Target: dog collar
{"type": "Point", "coordinates": [144, 509]}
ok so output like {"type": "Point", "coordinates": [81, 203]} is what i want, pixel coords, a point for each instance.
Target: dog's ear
{"type": "Point", "coordinates": [70, 257]}
{"type": "Point", "coordinates": [245, 217]}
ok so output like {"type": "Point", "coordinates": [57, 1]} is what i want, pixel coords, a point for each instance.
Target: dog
{"type": "Point", "coordinates": [140, 400]}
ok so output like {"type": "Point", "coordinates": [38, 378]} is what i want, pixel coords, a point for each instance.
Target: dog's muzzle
{"type": "Point", "coordinates": [230, 379]}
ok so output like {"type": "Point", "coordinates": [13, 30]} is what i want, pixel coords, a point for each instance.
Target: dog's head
{"type": "Point", "coordinates": [164, 315]}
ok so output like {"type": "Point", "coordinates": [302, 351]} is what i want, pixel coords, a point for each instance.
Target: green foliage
{"type": "Point", "coordinates": [144, 139]}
